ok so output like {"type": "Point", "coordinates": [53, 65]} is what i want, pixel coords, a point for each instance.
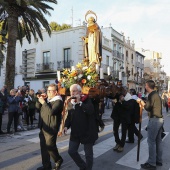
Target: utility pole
{"type": "Point", "coordinates": [72, 15]}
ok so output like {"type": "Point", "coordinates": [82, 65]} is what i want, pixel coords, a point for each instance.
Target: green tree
{"type": "Point", "coordinates": [22, 18]}
{"type": "Point", "coordinates": [57, 27]}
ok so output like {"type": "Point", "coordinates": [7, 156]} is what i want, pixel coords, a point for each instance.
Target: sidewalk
{"type": "Point", "coordinates": [5, 122]}
{"type": "Point", "coordinates": [106, 119]}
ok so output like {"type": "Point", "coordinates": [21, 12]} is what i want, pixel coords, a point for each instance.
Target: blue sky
{"type": "Point", "coordinates": [147, 22]}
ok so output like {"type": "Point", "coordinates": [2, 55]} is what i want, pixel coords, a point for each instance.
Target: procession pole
{"type": "Point", "coordinates": [139, 136]}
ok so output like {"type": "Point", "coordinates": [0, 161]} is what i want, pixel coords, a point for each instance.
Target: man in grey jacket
{"type": "Point", "coordinates": [50, 120]}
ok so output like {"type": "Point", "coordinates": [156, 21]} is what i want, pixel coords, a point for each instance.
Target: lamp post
{"type": "Point", "coordinates": [25, 65]}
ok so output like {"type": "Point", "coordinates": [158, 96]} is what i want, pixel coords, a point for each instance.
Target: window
{"type": "Point", "coordinates": [67, 57]}
{"type": "Point", "coordinates": [27, 83]}
{"type": "Point", "coordinates": [46, 57]}
{"type": "Point", "coordinates": [126, 54]}
{"type": "Point", "coordinates": [107, 60]}
{"type": "Point", "coordinates": [0, 70]}
{"type": "Point", "coordinates": [46, 60]}
{"type": "Point", "coordinates": [45, 84]}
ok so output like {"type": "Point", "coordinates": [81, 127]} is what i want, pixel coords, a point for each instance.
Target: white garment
{"type": "Point", "coordinates": [127, 97]}
{"type": "Point", "coordinates": [54, 99]}
{"type": "Point", "coordinates": [135, 97]}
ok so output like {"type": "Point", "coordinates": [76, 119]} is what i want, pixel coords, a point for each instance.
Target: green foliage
{"type": "Point", "coordinates": [57, 27]}
{"type": "Point", "coordinates": [30, 15]}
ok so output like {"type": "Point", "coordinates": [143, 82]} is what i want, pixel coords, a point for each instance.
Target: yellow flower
{"type": "Point", "coordinates": [65, 72]}
{"type": "Point", "coordinates": [88, 70]}
{"type": "Point", "coordinates": [73, 73]}
{"type": "Point", "coordinates": [79, 65]}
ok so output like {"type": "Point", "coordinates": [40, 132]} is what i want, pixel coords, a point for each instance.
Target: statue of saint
{"type": "Point", "coordinates": [93, 41]}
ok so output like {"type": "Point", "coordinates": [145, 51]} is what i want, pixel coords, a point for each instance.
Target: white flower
{"type": "Point", "coordinates": [84, 68]}
{"type": "Point", "coordinates": [88, 77]}
{"type": "Point", "coordinates": [75, 78]}
{"type": "Point", "coordinates": [80, 76]}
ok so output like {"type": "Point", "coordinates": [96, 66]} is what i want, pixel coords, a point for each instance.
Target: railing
{"type": "Point", "coordinates": [64, 64]}
{"type": "Point", "coordinates": [44, 67]}
{"type": "Point", "coordinates": [118, 54]}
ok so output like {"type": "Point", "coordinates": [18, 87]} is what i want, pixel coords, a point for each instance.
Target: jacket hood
{"type": "Point", "coordinates": [135, 97]}
{"type": "Point", "coordinates": [127, 97]}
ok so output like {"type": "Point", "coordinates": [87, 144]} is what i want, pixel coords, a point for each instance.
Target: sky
{"type": "Point", "coordinates": [146, 22]}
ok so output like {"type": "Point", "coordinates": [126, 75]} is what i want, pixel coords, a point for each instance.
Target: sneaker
{"type": "Point", "coordinates": [120, 149]}
{"type": "Point", "coordinates": [148, 166]}
{"type": "Point", "coordinates": [116, 147]}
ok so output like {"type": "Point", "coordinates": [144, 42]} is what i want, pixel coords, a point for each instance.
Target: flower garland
{"type": "Point", "coordinates": [81, 74]}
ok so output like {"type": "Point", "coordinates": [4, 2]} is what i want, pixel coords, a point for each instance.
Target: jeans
{"type": "Point", "coordinates": [88, 149]}
{"type": "Point", "coordinates": [155, 128]}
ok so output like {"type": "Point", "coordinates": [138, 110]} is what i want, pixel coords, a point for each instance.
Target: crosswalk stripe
{"type": "Point", "coordinates": [130, 159]}
{"type": "Point", "coordinates": [27, 133]}
{"type": "Point", "coordinates": [107, 129]}
{"type": "Point", "coordinates": [102, 147]}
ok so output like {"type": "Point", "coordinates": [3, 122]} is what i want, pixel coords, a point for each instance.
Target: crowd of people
{"type": "Point", "coordinates": [82, 118]}
{"type": "Point", "coordinates": [20, 106]}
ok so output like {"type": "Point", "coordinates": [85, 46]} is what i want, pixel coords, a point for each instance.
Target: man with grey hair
{"type": "Point", "coordinates": [81, 119]}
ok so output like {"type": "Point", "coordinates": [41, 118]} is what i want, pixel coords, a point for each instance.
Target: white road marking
{"type": "Point", "coordinates": [102, 147]}
{"type": "Point", "coordinates": [130, 159]}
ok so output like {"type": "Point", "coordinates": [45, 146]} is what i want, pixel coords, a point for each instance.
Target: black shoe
{"type": "Point", "coordinates": [10, 132]}
{"type": "Point", "coordinates": [58, 164]}
{"type": "Point", "coordinates": [1, 132]}
{"type": "Point", "coordinates": [128, 141]}
{"type": "Point", "coordinates": [42, 168]}
{"type": "Point", "coordinates": [148, 166]}
{"type": "Point", "coordinates": [158, 163]}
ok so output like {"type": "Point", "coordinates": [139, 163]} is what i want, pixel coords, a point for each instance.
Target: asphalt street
{"type": "Point", "coordinates": [21, 151]}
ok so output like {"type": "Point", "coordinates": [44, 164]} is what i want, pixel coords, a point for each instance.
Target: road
{"type": "Point", "coordinates": [21, 151]}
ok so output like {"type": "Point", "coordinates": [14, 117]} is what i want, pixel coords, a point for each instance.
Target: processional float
{"type": "Point", "coordinates": [89, 73]}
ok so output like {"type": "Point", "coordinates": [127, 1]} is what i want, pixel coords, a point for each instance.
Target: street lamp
{"type": "Point", "coordinates": [24, 60]}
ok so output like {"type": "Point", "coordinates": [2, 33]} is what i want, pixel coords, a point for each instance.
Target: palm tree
{"type": "Point", "coordinates": [22, 18]}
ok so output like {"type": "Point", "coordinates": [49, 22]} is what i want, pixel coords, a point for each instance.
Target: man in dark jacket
{"type": "Point", "coordinates": [50, 119]}
{"type": "Point", "coordinates": [120, 118]}
{"type": "Point", "coordinates": [81, 119]}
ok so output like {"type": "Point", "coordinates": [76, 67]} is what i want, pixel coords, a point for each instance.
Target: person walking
{"type": "Point", "coordinates": [165, 100]}
{"type": "Point", "coordinates": [119, 118]}
{"type": "Point", "coordinates": [155, 126]}
{"type": "Point", "coordinates": [135, 118]}
{"type": "Point", "coordinates": [81, 119]}
{"type": "Point", "coordinates": [50, 120]}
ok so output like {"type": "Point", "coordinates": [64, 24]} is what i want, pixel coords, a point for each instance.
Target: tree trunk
{"type": "Point", "coordinates": [11, 48]}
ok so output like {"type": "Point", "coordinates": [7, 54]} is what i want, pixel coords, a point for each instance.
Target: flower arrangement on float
{"type": "Point", "coordinates": [80, 74]}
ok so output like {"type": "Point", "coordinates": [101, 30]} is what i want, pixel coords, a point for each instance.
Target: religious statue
{"type": "Point", "coordinates": [93, 40]}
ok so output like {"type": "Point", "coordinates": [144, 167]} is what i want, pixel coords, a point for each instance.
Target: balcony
{"type": "Point", "coordinates": [118, 54]}
{"type": "Point", "coordinates": [45, 67]}
{"type": "Point", "coordinates": [64, 64]}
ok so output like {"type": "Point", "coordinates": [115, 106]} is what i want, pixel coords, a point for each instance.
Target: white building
{"type": "Point", "coordinates": [37, 63]}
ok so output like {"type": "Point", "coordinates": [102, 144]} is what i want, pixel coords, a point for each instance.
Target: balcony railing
{"type": "Point", "coordinates": [44, 67]}
{"type": "Point", "coordinates": [64, 64]}
{"type": "Point", "coordinates": [118, 54]}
